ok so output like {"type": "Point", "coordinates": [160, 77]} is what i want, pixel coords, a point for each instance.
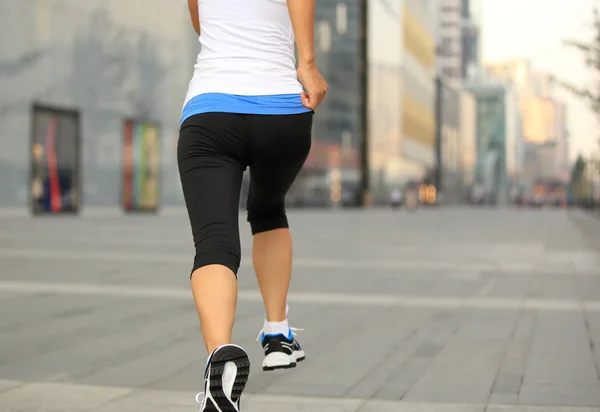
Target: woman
{"type": "Point", "coordinates": [245, 108]}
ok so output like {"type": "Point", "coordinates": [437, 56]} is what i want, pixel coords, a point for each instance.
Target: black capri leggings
{"type": "Point", "coordinates": [213, 151]}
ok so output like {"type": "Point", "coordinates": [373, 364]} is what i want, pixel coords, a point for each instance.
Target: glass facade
{"type": "Point", "coordinates": [332, 171]}
{"type": "Point", "coordinates": [449, 148]}
{"type": "Point", "coordinates": [492, 133]}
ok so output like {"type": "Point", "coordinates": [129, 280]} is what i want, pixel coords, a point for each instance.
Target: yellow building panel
{"type": "Point", "coordinates": [418, 122]}
{"type": "Point", "coordinates": [538, 119]}
{"type": "Point", "coordinates": [418, 41]}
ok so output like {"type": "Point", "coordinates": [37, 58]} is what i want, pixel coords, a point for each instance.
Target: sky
{"type": "Point", "coordinates": [536, 29]}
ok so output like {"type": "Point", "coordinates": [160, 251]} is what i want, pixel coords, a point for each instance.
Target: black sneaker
{"type": "Point", "coordinates": [225, 378]}
{"type": "Point", "coordinates": [281, 352]}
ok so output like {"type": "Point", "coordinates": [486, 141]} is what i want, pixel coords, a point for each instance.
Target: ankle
{"type": "Point", "coordinates": [276, 328]}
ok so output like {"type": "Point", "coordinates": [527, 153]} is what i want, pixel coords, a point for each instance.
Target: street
{"type": "Point", "coordinates": [445, 310]}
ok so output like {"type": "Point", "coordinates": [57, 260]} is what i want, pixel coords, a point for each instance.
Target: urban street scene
{"type": "Point", "coordinates": [445, 219]}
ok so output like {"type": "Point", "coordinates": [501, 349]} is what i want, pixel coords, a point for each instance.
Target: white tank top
{"type": "Point", "coordinates": [246, 48]}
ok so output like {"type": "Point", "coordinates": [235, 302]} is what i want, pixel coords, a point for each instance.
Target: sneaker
{"type": "Point", "coordinates": [281, 352]}
{"type": "Point", "coordinates": [225, 378]}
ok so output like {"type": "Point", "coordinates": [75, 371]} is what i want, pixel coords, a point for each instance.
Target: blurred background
{"type": "Point", "coordinates": [466, 101]}
{"type": "Point", "coordinates": [455, 105]}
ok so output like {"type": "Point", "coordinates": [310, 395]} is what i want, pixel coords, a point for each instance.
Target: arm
{"type": "Point", "coordinates": [302, 15]}
{"type": "Point", "coordinates": [193, 6]}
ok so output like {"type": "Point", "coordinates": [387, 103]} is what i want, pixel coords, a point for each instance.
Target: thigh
{"type": "Point", "coordinates": [210, 156]}
{"type": "Point", "coordinates": [279, 147]}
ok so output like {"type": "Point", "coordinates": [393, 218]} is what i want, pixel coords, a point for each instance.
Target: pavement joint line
{"type": "Point", "coordinates": [114, 256]}
{"type": "Point", "coordinates": [123, 397]}
{"type": "Point", "coordinates": [352, 299]}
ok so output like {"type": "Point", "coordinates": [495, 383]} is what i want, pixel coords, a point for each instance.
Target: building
{"type": "Point", "coordinates": [498, 132]}
{"type": "Point", "coordinates": [471, 37]}
{"type": "Point", "coordinates": [563, 167]}
{"type": "Point", "coordinates": [539, 119]}
{"type": "Point", "coordinates": [96, 89]}
{"type": "Point", "coordinates": [450, 39]}
{"type": "Point", "coordinates": [544, 146]}
{"type": "Point", "coordinates": [91, 89]}
{"type": "Point", "coordinates": [449, 160]}
{"type": "Point", "coordinates": [401, 94]}
{"type": "Point", "coordinates": [376, 129]}
{"type": "Point", "coordinates": [418, 91]}
{"type": "Point", "coordinates": [516, 71]}
{"type": "Point", "coordinates": [333, 170]}
{"type": "Point", "coordinates": [468, 137]}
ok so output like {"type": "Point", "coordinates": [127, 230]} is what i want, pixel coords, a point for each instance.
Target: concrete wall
{"type": "Point", "coordinates": [108, 60]}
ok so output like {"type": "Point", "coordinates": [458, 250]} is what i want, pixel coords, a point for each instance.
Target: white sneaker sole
{"type": "Point", "coordinates": [280, 360]}
{"type": "Point", "coordinates": [229, 370]}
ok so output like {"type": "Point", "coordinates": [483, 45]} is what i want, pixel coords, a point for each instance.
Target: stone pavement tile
{"type": "Point", "coordinates": [261, 403]}
{"type": "Point", "coordinates": [189, 378]}
{"type": "Point", "coordinates": [454, 388]}
{"type": "Point", "coordinates": [408, 357]}
{"type": "Point", "coordinates": [551, 368]}
{"type": "Point", "coordinates": [77, 320]}
{"type": "Point", "coordinates": [402, 380]}
{"type": "Point", "coordinates": [560, 395]}
{"type": "Point", "coordinates": [560, 352]}
{"type": "Point", "coordinates": [527, 408]}
{"type": "Point", "coordinates": [143, 401]}
{"type": "Point", "coordinates": [510, 375]}
{"type": "Point", "coordinates": [6, 385]}
{"type": "Point", "coordinates": [388, 406]}
{"type": "Point", "coordinates": [504, 398]}
{"type": "Point", "coordinates": [334, 391]}
{"type": "Point", "coordinates": [465, 370]}
{"type": "Point", "coordinates": [57, 397]}
{"type": "Point", "coordinates": [138, 335]}
{"type": "Point", "coordinates": [588, 287]}
{"type": "Point", "coordinates": [507, 383]}
{"type": "Point", "coordinates": [146, 368]}
{"type": "Point", "coordinates": [414, 357]}
{"type": "Point", "coordinates": [509, 285]}
{"type": "Point", "coordinates": [361, 341]}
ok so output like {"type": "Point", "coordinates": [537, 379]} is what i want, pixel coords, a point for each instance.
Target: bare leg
{"type": "Point", "coordinates": [215, 292]}
{"type": "Point", "coordinates": [272, 260]}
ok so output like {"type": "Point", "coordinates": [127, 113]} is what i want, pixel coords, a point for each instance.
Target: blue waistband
{"type": "Point", "coordinates": [230, 103]}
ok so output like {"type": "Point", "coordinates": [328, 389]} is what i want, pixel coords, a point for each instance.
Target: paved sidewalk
{"type": "Point", "coordinates": [445, 310]}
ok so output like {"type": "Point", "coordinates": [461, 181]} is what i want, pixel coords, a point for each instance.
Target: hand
{"type": "Point", "coordinates": [314, 85]}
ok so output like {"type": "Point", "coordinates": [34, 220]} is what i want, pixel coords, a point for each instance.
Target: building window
{"type": "Point", "coordinates": [55, 161]}
{"type": "Point", "coordinates": [324, 32]}
{"type": "Point", "coordinates": [450, 9]}
{"type": "Point", "coordinates": [341, 18]}
{"type": "Point", "coordinates": [446, 47]}
{"type": "Point", "coordinates": [141, 166]}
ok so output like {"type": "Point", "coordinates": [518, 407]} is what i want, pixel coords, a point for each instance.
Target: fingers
{"type": "Point", "coordinates": [313, 99]}
{"type": "Point", "coordinates": [306, 100]}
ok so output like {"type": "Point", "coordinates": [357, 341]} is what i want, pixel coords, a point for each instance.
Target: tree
{"type": "Point", "coordinates": [591, 52]}
{"type": "Point", "coordinates": [578, 183]}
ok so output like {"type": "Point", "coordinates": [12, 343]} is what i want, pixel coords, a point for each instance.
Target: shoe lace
{"type": "Point", "coordinates": [201, 399]}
